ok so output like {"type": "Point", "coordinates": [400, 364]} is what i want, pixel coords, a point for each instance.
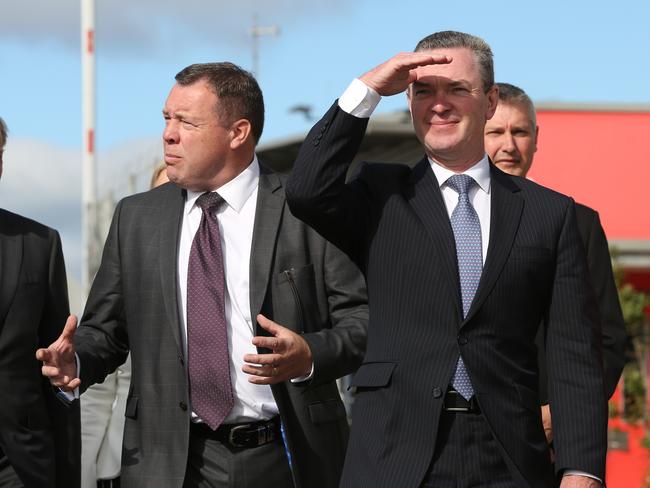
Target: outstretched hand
{"type": "Point", "coordinates": [396, 74]}
{"type": "Point", "coordinates": [290, 356]}
{"type": "Point", "coordinates": [59, 364]}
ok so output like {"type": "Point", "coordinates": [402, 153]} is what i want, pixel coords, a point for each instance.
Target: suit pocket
{"type": "Point", "coordinates": [131, 410]}
{"type": "Point", "coordinates": [298, 295]}
{"type": "Point", "coordinates": [529, 398]}
{"type": "Point", "coordinates": [326, 411]}
{"type": "Point", "coordinates": [373, 375]}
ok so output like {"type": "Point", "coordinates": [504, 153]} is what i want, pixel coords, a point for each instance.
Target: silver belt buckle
{"type": "Point", "coordinates": [456, 409]}
{"type": "Point", "coordinates": [231, 435]}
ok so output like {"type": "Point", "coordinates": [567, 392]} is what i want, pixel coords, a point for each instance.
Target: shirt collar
{"type": "Point", "coordinates": [480, 172]}
{"type": "Point", "coordinates": [237, 191]}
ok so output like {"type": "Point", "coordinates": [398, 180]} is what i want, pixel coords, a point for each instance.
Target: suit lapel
{"type": "Point", "coordinates": [11, 256]}
{"type": "Point", "coordinates": [268, 215]}
{"type": "Point", "coordinates": [506, 207]}
{"type": "Point", "coordinates": [426, 199]}
{"type": "Point", "coordinates": [171, 219]}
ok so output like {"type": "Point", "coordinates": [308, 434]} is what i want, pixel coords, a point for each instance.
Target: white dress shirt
{"type": "Point", "coordinates": [236, 220]}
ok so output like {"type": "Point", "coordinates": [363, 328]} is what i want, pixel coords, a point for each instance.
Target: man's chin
{"type": "Point", "coordinates": [510, 167]}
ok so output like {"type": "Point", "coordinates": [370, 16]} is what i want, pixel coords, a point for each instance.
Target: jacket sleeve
{"type": "Point", "coordinates": [573, 348]}
{"type": "Point", "coordinates": [101, 340]}
{"type": "Point", "coordinates": [614, 336]}
{"type": "Point", "coordinates": [339, 350]}
{"type": "Point", "coordinates": [317, 191]}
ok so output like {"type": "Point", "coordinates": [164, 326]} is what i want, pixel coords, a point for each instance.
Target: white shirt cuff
{"type": "Point", "coordinates": [300, 379]}
{"type": "Point", "coordinates": [74, 394]}
{"type": "Point", "coordinates": [359, 99]}
{"type": "Point", "coordinates": [581, 473]}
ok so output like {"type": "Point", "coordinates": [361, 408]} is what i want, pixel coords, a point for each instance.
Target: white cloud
{"type": "Point", "coordinates": [135, 26]}
{"type": "Point", "coordinates": [43, 182]}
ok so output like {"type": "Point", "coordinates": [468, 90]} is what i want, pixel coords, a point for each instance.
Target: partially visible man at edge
{"type": "Point", "coordinates": [219, 292]}
{"type": "Point", "coordinates": [511, 137]}
{"type": "Point", "coordinates": [40, 441]}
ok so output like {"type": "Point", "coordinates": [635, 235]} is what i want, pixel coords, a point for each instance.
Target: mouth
{"type": "Point", "coordinates": [171, 158]}
{"type": "Point", "coordinates": [443, 123]}
{"type": "Point", "coordinates": [510, 162]}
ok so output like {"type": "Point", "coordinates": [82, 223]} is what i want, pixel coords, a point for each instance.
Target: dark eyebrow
{"type": "Point", "coordinates": [418, 85]}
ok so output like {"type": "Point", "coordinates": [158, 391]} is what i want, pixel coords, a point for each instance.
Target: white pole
{"type": "Point", "coordinates": [257, 31]}
{"type": "Point", "coordinates": [89, 185]}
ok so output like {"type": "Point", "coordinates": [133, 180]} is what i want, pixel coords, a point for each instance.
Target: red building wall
{"type": "Point", "coordinates": [602, 159]}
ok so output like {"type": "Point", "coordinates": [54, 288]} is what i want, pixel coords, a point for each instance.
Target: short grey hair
{"type": "Point", "coordinates": [452, 39]}
{"type": "Point", "coordinates": [513, 95]}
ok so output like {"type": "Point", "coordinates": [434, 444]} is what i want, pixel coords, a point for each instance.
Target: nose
{"type": "Point", "coordinates": [170, 133]}
{"type": "Point", "coordinates": [508, 143]}
{"type": "Point", "coordinates": [440, 103]}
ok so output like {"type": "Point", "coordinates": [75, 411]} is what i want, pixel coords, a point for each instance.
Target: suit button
{"type": "Point", "coordinates": [183, 406]}
{"type": "Point", "coordinates": [462, 340]}
{"type": "Point", "coordinates": [437, 392]}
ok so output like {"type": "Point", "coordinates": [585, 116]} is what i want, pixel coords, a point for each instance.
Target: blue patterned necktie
{"type": "Point", "coordinates": [207, 338]}
{"type": "Point", "coordinates": [467, 234]}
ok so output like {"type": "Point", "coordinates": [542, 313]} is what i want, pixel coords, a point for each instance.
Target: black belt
{"type": "Point", "coordinates": [454, 402]}
{"type": "Point", "coordinates": [252, 434]}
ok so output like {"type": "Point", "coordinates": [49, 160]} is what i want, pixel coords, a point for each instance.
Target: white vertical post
{"type": "Point", "coordinates": [257, 31]}
{"type": "Point", "coordinates": [89, 185]}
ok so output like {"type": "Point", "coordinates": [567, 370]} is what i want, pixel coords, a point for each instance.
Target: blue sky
{"type": "Point", "coordinates": [569, 51]}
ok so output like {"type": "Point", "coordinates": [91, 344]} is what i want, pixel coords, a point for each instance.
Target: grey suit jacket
{"type": "Point", "coordinates": [39, 434]}
{"type": "Point", "coordinates": [392, 220]}
{"type": "Point", "coordinates": [296, 278]}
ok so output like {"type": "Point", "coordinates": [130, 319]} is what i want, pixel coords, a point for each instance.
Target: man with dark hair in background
{"type": "Point", "coordinates": [39, 434]}
{"type": "Point", "coordinates": [219, 292]}
{"type": "Point", "coordinates": [511, 142]}
{"type": "Point", "coordinates": [462, 261]}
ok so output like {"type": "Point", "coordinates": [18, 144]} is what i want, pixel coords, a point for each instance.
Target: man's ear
{"type": "Point", "coordinates": [240, 132]}
{"type": "Point", "coordinates": [536, 135]}
{"type": "Point", "coordinates": [493, 100]}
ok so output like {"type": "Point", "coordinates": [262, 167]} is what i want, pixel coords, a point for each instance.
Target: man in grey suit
{"type": "Point", "coordinates": [39, 435]}
{"type": "Point", "coordinates": [201, 413]}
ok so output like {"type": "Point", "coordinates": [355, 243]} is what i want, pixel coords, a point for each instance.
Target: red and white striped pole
{"type": "Point", "coordinates": [88, 163]}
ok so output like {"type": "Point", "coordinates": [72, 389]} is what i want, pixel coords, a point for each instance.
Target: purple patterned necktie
{"type": "Point", "coordinates": [467, 234]}
{"type": "Point", "coordinates": [207, 338]}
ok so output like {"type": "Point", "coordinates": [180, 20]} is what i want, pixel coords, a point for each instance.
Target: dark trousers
{"type": "Point", "coordinates": [112, 483]}
{"type": "Point", "coordinates": [467, 455]}
{"type": "Point", "coordinates": [8, 477]}
{"type": "Point", "coordinates": [212, 464]}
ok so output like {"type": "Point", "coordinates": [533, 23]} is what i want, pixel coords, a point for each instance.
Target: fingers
{"type": "Point", "coordinates": [43, 355]}
{"type": "Point", "coordinates": [59, 379]}
{"type": "Point", "coordinates": [269, 325]}
{"type": "Point", "coordinates": [272, 343]}
{"type": "Point", "coordinates": [69, 328]}
{"type": "Point", "coordinates": [272, 359]}
{"type": "Point", "coordinates": [264, 375]}
{"type": "Point", "coordinates": [415, 60]}
{"type": "Point", "coordinates": [396, 74]}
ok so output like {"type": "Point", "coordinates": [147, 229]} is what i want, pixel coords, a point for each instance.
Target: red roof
{"type": "Point", "coordinates": [602, 159]}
